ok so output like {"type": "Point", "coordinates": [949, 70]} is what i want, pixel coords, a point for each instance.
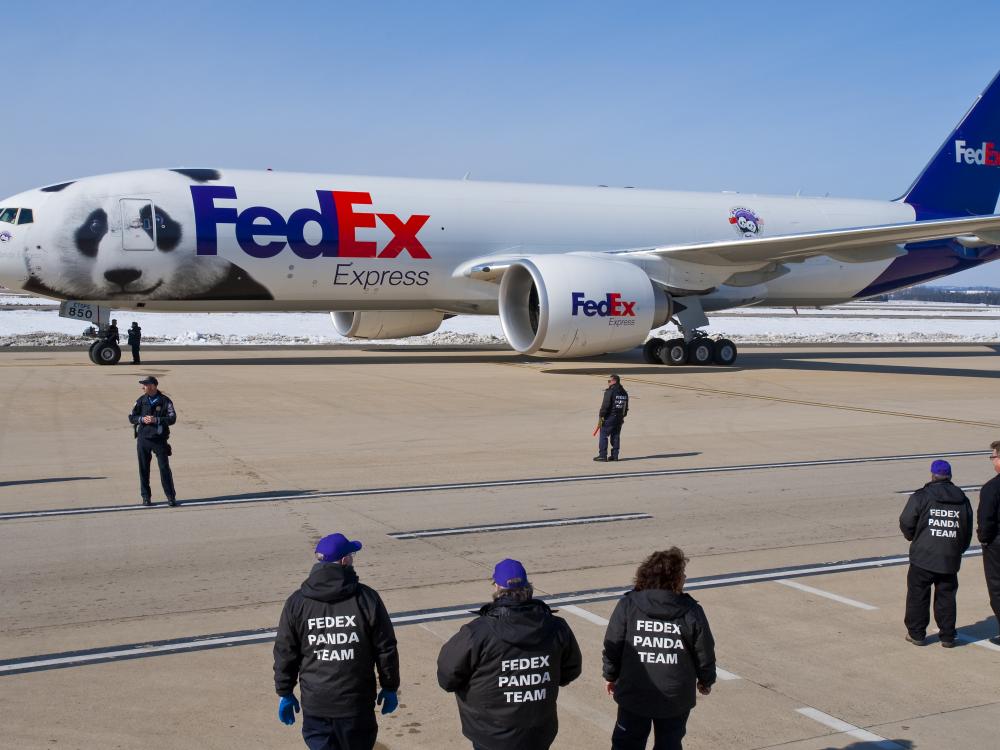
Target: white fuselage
{"type": "Point", "coordinates": [377, 251]}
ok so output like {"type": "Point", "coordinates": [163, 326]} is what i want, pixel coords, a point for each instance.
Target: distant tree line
{"type": "Point", "coordinates": [983, 295]}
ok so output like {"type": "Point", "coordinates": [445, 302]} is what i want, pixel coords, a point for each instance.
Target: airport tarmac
{"type": "Point", "coordinates": [782, 479]}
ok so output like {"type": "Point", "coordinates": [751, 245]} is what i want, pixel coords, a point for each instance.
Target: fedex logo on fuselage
{"type": "Point", "coordinates": [987, 155]}
{"type": "Point", "coordinates": [262, 232]}
{"type": "Point", "coordinates": [611, 306]}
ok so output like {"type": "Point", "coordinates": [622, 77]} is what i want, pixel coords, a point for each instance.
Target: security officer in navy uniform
{"type": "Point", "coordinates": [151, 418]}
{"type": "Point", "coordinates": [506, 667]}
{"type": "Point", "coordinates": [937, 521]}
{"type": "Point", "coordinates": [614, 409]}
{"type": "Point", "coordinates": [658, 650]}
{"type": "Point", "coordinates": [334, 635]}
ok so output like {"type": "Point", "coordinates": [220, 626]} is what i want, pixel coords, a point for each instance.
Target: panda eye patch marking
{"type": "Point", "coordinates": [168, 231]}
{"type": "Point", "coordinates": [89, 234]}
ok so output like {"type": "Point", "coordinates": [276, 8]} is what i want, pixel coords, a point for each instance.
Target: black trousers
{"type": "Point", "coordinates": [991, 567]}
{"type": "Point", "coordinates": [135, 354]}
{"type": "Point", "coordinates": [610, 430]}
{"type": "Point", "coordinates": [146, 449]}
{"type": "Point", "coordinates": [354, 733]}
{"type": "Point", "coordinates": [632, 731]}
{"type": "Point", "coordinates": [918, 602]}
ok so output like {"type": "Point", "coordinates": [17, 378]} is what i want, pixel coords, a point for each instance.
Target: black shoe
{"type": "Point", "coordinates": [914, 641]}
{"type": "Point", "coordinates": [172, 502]}
{"type": "Point", "coordinates": [600, 458]}
{"type": "Point", "coordinates": [995, 640]}
{"type": "Point", "coordinates": [613, 458]}
{"type": "Point", "coordinates": [947, 644]}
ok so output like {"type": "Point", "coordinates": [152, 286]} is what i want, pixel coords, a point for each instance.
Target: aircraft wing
{"type": "Point", "coordinates": [857, 245]}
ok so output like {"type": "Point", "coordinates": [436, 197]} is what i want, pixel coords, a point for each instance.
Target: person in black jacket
{"type": "Point", "coordinates": [937, 521]}
{"type": "Point", "coordinates": [112, 335]}
{"type": "Point", "coordinates": [151, 418]}
{"type": "Point", "coordinates": [658, 650]}
{"type": "Point", "coordinates": [333, 636]}
{"type": "Point", "coordinates": [989, 523]}
{"type": "Point", "coordinates": [610, 418]}
{"type": "Point", "coordinates": [134, 339]}
{"type": "Point", "coordinates": [506, 667]}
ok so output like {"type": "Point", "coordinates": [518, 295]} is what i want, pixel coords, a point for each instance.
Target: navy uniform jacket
{"type": "Point", "coordinates": [163, 414]}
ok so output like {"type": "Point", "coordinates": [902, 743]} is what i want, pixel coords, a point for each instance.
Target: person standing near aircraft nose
{"type": "Point", "coordinates": [614, 409]}
{"type": "Point", "coordinates": [506, 667]}
{"type": "Point", "coordinates": [937, 521]}
{"type": "Point", "coordinates": [151, 418]}
{"type": "Point", "coordinates": [334, 634]}
{"type": "Point", "coordinates": [658, 650]}
{"type": "Point", "coordinates": [134, 339]}
{"type": "Point", "coordinates": [989, 524]}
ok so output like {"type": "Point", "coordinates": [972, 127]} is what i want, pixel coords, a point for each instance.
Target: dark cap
{"type": "Point", "coordinates": [149, 380]}
{"type": "Point", "coordinates": [335, 547]}
{"type": "Point", "coordinates": [941, 468]}
{"type": "Point", "coordinates": [510, 574]}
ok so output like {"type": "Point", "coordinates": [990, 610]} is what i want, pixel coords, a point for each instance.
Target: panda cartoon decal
{"type": "Point", "coordinates": [745, 221]}
{"type": "Point", "coordinates": [92, 264]}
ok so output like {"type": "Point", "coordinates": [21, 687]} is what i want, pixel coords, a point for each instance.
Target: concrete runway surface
{"type": "Point", "coordinates": [782, 479]}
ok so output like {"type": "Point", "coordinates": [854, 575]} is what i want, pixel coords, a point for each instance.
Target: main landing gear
{"type": "Point", "coordinates": [700, 350]}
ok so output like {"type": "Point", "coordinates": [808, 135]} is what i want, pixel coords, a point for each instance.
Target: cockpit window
{"type": "Point", "coordinates": [26, 216]}
{"type": "Point", "coordinates": [8, 215]}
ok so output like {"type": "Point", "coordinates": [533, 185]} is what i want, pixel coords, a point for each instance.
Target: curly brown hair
{"type": "Point", "coordinates": [662, 570]}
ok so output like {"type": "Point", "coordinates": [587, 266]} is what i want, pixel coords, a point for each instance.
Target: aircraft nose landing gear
{"type": "Point", "coordinates": [104, 352]}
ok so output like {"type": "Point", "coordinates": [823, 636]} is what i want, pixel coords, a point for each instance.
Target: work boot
{"type": "Point", "coordinates": [147, 501]}
{"type": "Point", "coordinates": [600, 458]}
{"type": "Point", "coordinates": [613, 458]}
{"type": "Point", "coordinates": [947, 643]}
{"type": "Point", "coordinates": [914, 641]}
{"type": "Point", "coordinates": [172, 502]}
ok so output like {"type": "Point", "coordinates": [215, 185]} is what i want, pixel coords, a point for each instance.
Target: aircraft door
{"type": "Point", "coordinates": [138, 232]}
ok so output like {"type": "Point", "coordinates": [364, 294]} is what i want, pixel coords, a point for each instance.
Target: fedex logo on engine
{"type": "Point", "coordinates": [612, 306]}
{"type": "Point", "coordinates": [987, 155]}
{"type": "Point", "coordinates": [262, 232]}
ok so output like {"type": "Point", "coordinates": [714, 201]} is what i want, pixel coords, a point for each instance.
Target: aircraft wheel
{"type": "Point", "coordinates": [701, 352]}
{"type": "Point", "coordinates": [107, 354]}
{"type": "Point", "coordinates": [651, 351]}
{"type": "Point", "coordinates": [725, 352]}
{"type": "Point", "coordinates": [674, 353]}
{"type": "Point", "coordinates": [92, 353]}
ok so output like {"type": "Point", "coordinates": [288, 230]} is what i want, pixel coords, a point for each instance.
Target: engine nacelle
{"type": "Point", "coordinates": [386, 324]}
{"type": "Point", "coordinates": [576, 305]}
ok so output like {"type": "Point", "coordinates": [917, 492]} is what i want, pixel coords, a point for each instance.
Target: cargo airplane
{"type": "Point", "coordinates": [571, 271]}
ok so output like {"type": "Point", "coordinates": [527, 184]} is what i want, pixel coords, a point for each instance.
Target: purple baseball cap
{"type": "Point", "coordinates": [335, 547]}
{"type": "Point", "coordinates": [510, 574]}
{"type": "Point", "coordinates": [941, 468]}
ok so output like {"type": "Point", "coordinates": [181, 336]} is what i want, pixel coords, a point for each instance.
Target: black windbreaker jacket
{"type": "Point", "coordinates": [615, 402]}
{"type": "Point", "coordinates": [937, 521]}
{"type": "Point", "coordinates": [162, 412]}
{"type": "Point", "coordinates": [333, 634]}
{"type": "Point", "coordinates": [506, 668]}
{"type": "Point", "coordinates": [657, 648]}
{"type": "Point", "coordinates": [989, 511]}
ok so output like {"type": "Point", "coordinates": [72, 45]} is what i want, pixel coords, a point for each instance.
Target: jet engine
{"type": "Point", "coordinates": [577, 305]}
{"type": "Point", "coordinates": [386, 324]}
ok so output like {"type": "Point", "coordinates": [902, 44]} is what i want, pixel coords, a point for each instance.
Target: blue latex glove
{"type": "Point", "coordinates": [288, 706]}
{"type": "Point", "coordinates": [389, 699]}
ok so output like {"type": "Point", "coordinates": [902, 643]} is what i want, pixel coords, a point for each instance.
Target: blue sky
{"type": "Point", "coordinates": [849, 99]}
